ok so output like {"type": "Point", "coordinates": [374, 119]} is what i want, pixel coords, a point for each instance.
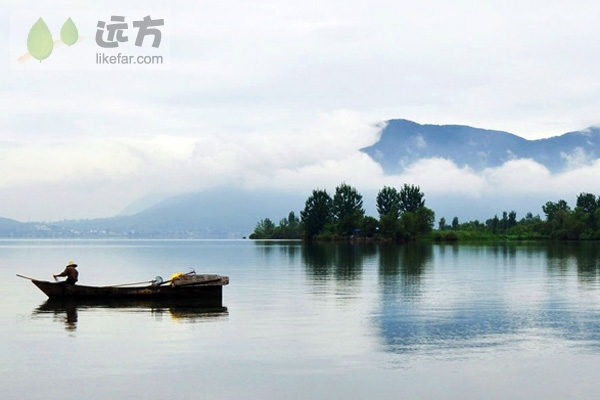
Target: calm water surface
{"type": "Point", "coordinates": [308, 322]}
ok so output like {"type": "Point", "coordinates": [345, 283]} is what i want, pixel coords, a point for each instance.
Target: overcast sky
{"type": "Point", "coordinates": [282, 95]}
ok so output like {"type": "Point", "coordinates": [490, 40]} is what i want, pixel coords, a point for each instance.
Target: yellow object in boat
{"type": "Point", "coordinates": [176, 275]}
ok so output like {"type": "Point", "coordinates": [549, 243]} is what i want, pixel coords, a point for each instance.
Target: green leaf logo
{"type": "Point", "coordinates": [68, 32]}
{"type": "Point", "coordinates": [39, 41]}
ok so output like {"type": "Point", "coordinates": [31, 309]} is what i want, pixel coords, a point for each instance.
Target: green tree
{"type": "Point", "coordinates": [555, 210]}
{"type": "Point", "coordinates": [512, 219]}
{"type": "Point", "coordinates": [504, 222]}
{"type": "Point", "coordinates": [560, 223]}
{"type": "Point", "coordinates": [264, 229]}
{"type": "Point", "coordinates": [288, 228]}
{"type": "Point", "coordinates": [455, 224]}
{"type": "Point", "coordinates": [442, 226]}
{"type": "Point", "coordinates": [425, 220]}
{"type": "Point", "coordinates": [347, 209]}
{"type": "Point", "coordinates": [493, 224]}
{"type": "Point", "coordinates": [585, 210]}
{"type": "Point", "coordinates": [388, 202]}
{"type": "Point", "coordinates": [588, 203]}
{"type": "Point", "coordinates": [317, 213]}
{"type": "Point", "coordinates": [416, 219]}
{"type": "Point", "coordinates": [411, 198]}
{"type": "Point", "coordinates": [369, 227]}
{"type": "Point", "coordinates": [293, 221]}
{"type": "Point", "coordinates": [389, 226]}
{"type": "Point", "coordinates": [388, 207]}
{"type": "Point", "coordinates": [415, 224]}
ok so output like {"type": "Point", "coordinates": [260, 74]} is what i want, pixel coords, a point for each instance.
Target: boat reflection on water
{"type": "Point", "coordinates": [180, 310]}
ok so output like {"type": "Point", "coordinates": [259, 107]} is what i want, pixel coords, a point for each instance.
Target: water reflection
{"type": "Point", "coordinates": [474, 302]}
{"type": "Point", "coordinates": [584, 255]}
{"type": "Point", "coordinates": [437, 299]}
{"type": "Point", "coordinates": [67, 311]}
{"type": "Point", "coordinates": [408, 262]}
{"type": "Point", "coordinates": [289, 247]}
{"type": "Point", "coordinates": [341, 261]}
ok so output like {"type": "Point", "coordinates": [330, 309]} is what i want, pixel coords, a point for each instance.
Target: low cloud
{"type": "Point", "coordinates": [577, 158]}
{"type": "Point", "coordinates": [100, 177]}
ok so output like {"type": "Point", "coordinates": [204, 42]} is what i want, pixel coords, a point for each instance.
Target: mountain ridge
{"type": "Point", "coordinates": [212, 214]}
{"type": "Point", "coordinates": [233, 212]}
{"type": "Point", "coordinates": [403, 142]}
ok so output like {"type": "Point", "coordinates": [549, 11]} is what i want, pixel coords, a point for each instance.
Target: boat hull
{"type": "Point", "coordinates": [209, 291]}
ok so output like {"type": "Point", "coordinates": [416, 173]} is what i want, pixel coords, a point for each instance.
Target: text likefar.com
{"type": "Point", "coordinates": [102, 58]}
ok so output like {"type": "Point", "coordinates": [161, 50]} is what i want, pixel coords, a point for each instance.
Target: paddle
{"type": "Point", "coordinates": [26, 277]}
{"type": "Point", "coordinates": [155, 282]}
{"type": "Point", "coordinates": [33, 279]}
{"type": "Point", "coordinates": [129, 284]}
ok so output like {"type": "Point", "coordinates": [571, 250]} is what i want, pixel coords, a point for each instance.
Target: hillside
{"type": "Point", "coordinates": [403, 142]}
{"type": "Point", "coordinates": [234, 212]}
{"type": "Point", "coordinates": [223, 213]}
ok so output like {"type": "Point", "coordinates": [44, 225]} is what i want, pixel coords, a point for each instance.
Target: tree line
{"type": "Point", "coordinates": [402, 216]}
{"type": "Point", "coordinates": [560, 222]}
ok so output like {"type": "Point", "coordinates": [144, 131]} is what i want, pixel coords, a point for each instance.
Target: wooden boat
{"type": "Point", "coordinates": [191, 286]}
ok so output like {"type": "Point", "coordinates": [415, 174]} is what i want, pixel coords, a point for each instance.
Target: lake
{"type": "Point", "coordinates": [345, 321]}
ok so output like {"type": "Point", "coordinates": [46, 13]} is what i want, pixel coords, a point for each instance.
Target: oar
{"type": "Point", "coordinates": [32, 279]}
{"type": "Point", "coordinates": [26, 277]}
{"type": "Point", "coordinates": [129, 284]}
{"type": "Point", "coordinates": [158, 281]}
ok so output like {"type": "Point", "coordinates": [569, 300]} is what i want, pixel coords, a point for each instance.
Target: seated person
{"type": "Point", "coordinates": [70, 272]}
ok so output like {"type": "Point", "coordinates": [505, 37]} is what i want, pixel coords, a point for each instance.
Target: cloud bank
{"type": "Point", "coordinates": [274, 95]}
{"type": "Point", "coordinates": [107, 175]}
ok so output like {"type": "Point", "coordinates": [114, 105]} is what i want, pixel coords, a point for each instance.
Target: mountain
{"type": "Point", "coordinates": [403, 142]}
{"type": "Point", "coordinates": [212, 214]}
{"type": "Point", "coordinates": [233, 213]}
{"type": "Point", "coordinates": [12, 228]}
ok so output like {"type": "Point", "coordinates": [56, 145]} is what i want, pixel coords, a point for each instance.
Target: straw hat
{"type": "Point", "coordinates": [71, 264]}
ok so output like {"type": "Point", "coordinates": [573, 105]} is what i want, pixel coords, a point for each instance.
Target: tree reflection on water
{"type": "Point", "coordinates": [440, 298]}
{"type": "Point", "coordinates": [341, 261]}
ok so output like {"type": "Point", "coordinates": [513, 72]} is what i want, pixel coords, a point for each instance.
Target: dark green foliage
{"type": "Point", "coordinates": [403, 217]}
{"type": "Point", "coordinates": [317, 213]}
{"type": "Point", "coordinates": [556, 210]}
{"type": "Point", "coordinates": [492, 224]}
{"type": "Point", "coordinates": [442, 224]}
{"type": "Point", "coordinates": [588, 203]}
{"type": "Point", "coordinates": [512, 219]}
{"type": "Point", "coordinates": [388, 202]}
{"type": "Point", "coordinates": [447, 236]}
{"type": "Point", "coordinates": [587, 212]}
{"type": "Point", "coordinates": [264, 229]}
{"type": "Point", "coordinates": [288, 228]}
{"type": "Point", "coordinates": [455, 223]}
{"type": "Point", "coordinates": [418, 223]}
{"type": "Point", "coordinates": [561, 223]}
{"type": "Point", "coordinates": [347, 209]}
{"type": "Point", "coordinates": [388, 206]}
{"type": "Point", "coordinates": [411, 198]}
{"type": "Point", "coordinates": [369, 227]}
{"type": "Point", "coordinates": [389, 226]}
{"type": "Point", "coordinates": [501, 226]}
